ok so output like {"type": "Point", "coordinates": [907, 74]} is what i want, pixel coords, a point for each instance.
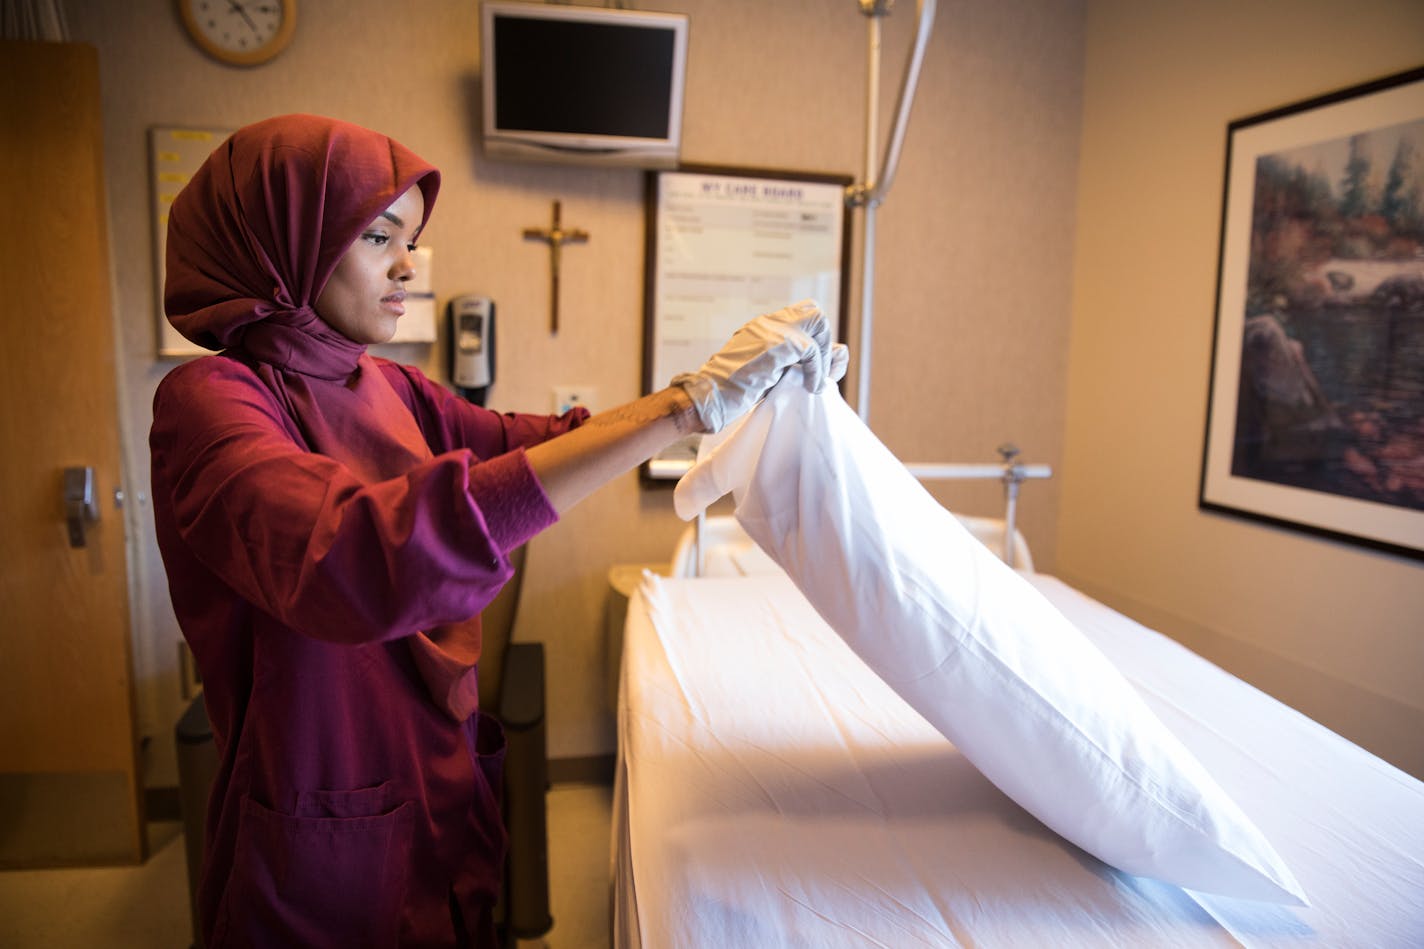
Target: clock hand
{"type": "Point", "coordinates": [236, 6]}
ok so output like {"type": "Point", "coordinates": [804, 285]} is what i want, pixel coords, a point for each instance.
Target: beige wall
{"type": "Point", "coordinates": [972, 302]}
{"type": "Point", "coordinates": [981, 263]}
{"type": "Point", "coordinates": [1333, 629]}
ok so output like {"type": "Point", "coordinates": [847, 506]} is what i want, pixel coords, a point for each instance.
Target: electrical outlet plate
{"type": "Point", "coordinates": [567, 397]}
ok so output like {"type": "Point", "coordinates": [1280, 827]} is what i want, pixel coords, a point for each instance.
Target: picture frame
{"type": "Point", "coordinates": [723, 244]}
{"type": "Point", "coordinates": [174, 156]}
{"type": "Point", "coordinates": [1315, 416]}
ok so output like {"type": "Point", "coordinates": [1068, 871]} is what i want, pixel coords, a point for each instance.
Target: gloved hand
{"type": "Point", "coordinates": [840, 360]}
{"type": "Point", "coordinates": [754, 360]}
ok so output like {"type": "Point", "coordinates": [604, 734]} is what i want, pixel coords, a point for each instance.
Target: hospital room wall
{"type": "Point", "coordinates": [973, 277]}
{"type": "Point", "coordinates": [1333, 629]}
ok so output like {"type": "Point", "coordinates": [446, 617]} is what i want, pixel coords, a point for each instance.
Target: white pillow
{"type": "Point", "coordinates": [976, 650]}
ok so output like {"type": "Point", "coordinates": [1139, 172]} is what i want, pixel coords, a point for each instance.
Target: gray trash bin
{"type": "Point", "coordinates": [197, 765]}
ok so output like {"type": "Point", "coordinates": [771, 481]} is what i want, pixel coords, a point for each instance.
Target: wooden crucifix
{"type": "Point", "coordinates": [556, 237]}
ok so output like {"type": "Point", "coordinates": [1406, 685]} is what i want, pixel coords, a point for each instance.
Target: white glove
{"type": "Point", "coordinates": [840, 360]}
{"type": "Point", "coordinates": [754, 360]}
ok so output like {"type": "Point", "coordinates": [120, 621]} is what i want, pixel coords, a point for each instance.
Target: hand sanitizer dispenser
{"type": "Point", "coordinates": [471, 320]}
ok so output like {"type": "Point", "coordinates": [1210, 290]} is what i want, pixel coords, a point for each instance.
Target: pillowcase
{"type": "Point", "coordinates": [976, 650]}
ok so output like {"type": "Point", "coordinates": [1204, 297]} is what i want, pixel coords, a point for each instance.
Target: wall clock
{"type": "Point", "coordinates": [240, 32]}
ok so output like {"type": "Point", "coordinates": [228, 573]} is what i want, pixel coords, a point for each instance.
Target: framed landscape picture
{"type": "Point", "coordinates": [1316, 416]}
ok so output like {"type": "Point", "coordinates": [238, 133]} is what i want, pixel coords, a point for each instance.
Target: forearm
{"type": "Point", "coordinates": [575, 464]}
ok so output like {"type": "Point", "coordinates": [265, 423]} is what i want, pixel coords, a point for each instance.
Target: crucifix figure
{"type": "Point", "coordinates": [556, 237]}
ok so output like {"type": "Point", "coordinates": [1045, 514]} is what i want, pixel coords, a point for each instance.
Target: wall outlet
{"type": "Point", "coordinates": [568, 397]}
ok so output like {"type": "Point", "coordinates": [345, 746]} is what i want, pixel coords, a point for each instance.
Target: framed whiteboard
{"type": "Point", "coordinates": [723, 245]}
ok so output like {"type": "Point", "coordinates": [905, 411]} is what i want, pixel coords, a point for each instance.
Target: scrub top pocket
{"type": "Point", "coordinates": [486, 817]}
{"type": "Point", "coordinates": [335, 881]}
{"type": "Point", "coordinates": [488, 749]}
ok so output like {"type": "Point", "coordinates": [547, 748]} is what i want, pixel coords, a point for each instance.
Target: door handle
{"type": "Point", "coordinates": [80, 508]}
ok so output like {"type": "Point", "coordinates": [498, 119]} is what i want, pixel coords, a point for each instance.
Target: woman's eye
{"type": "Point", "coordinates": [377, 238]}
{"type": "Point", "coordinates": [411, 247]}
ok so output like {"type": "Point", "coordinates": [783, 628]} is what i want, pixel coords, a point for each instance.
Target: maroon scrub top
{"type": "Point", "coordinates": [331, 524]}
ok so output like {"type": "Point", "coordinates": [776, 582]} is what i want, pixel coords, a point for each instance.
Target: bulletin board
{"type": "Point", "coordinates": [723, 245]}
{"type": "Point", "coordinates": [175, 154]}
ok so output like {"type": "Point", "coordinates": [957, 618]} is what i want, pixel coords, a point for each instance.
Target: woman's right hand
{"type": "Point", "coordinates": [757, 356]}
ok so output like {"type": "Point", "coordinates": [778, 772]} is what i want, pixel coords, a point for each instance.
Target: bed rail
{"type": "Point", "coordinates": [1009, 471]}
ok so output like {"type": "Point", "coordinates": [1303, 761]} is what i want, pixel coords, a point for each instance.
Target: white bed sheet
{"type": "Point", "coordinates": [772, 791]}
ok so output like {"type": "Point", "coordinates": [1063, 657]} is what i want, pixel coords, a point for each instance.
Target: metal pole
{"type": "Point", "coordinates": [1013, 477]}
{"type": "Point", "coordinates": [867, 315]}
{"type": "Point", "coordinates": [873, 11]}
{"type": "Point", "coordinates": [881, 187]}
{"type": "Point", "coordinates": [871, 191]}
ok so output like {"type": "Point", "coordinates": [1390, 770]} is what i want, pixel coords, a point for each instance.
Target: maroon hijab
{"type": "Point", "coordinates": [256, 233]}
{"type": "Point", "coordinates": [252, 240]}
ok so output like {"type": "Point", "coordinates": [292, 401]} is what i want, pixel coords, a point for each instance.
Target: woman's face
{"type": "Point", "coordinates": [366, 293]}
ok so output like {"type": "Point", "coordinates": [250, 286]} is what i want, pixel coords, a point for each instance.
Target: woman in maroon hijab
{"type": "Point", "coordinates": [332, 523]}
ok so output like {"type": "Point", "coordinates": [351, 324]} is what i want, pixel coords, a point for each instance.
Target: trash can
{"type": "Point", "coordinates": [197, 765]}
{"type": "Point", "coordinates": [526, 786]}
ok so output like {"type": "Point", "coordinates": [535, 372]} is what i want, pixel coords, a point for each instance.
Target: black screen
{"type": "Point", "coordinates": [582, 78]}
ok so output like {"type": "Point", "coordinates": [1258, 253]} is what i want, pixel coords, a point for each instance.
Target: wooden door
{"type": "Point", "coordinates": [69, 780]}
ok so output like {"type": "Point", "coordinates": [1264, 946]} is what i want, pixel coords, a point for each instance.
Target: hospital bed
{"type": "Point", "coordinates": [773, 791]}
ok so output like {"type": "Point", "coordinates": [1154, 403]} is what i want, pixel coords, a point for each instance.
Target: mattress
{"type": "Point", "coordinates": [772, 791]}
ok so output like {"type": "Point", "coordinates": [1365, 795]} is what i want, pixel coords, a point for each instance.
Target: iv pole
{"type": "Point", "coordinates": [867, 196]}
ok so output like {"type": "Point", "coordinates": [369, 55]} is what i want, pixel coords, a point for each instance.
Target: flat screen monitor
{"type": "Point", "coordinates": [583, 84]}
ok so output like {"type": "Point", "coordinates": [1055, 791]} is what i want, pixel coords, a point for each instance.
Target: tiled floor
{"type": "Point", "coordinates": [580, 880]}
{"type": "Point", "coordinates": [122, 906]}
{"type": "Point", "coordinates": [146, 907]}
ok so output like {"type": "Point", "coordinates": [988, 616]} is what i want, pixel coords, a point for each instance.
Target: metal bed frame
{"type": "Point", "coordinates": [1009, 471]}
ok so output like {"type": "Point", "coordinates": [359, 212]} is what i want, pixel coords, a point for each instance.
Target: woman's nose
{"type": "Point", "coordinates": [404, 266]}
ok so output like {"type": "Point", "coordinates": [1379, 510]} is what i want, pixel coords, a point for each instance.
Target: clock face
{"type": "Point", "coordinates": [244, 32]}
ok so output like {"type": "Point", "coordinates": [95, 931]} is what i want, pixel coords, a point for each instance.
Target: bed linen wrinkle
{"type": "Point", "coordinates": [895, 911]}
{"type": "Point", "coordinates": [810, 657]}
{"type": "Point", "coordinates": [830, 709]}
{"type": "Point", "coordinates": [833, 921]}
{"type": "Point", "coordinates": [939, 925]}
{"type": "Point", "coordinates": [745, 750]}
{"type": "Point", "coordinates": [716, 765]}
{"type": "Point", "coordinates": [662, 619]}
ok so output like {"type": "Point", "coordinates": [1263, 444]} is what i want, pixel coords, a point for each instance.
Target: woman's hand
{"type": "Point", "coordinates": [756, 357]}
{"type": "Point", "coordinates": [797, 338]}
